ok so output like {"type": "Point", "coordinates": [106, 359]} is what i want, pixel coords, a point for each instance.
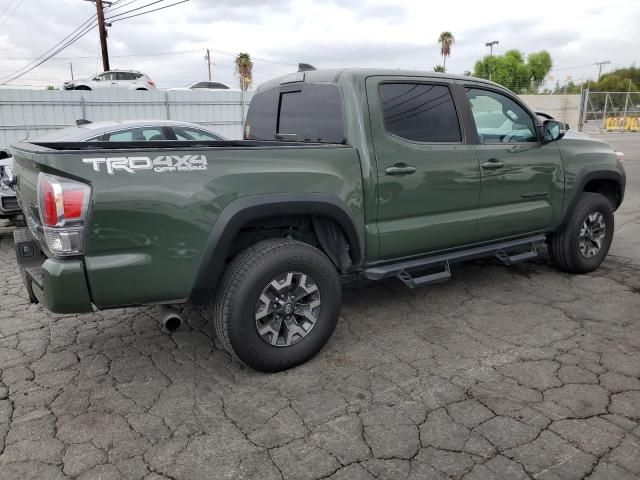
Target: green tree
{"type": "Point", "coordinates": [512, 71]}
{"type": "Point", "coordinates": [614, 83]}
{"type": "Point", "coordinates": [244, 70]}
{"type": "Point", "coordinates": [439, 68]}
{"type": "Point", "coordinates": [446, 41]}
{"type": "Point", "coordinates": [540, 64]}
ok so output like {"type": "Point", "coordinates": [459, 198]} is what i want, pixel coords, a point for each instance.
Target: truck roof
{"type": "Point", "coordinates": [331, 75]}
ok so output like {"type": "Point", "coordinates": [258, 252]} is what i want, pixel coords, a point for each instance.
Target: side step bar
{"type": "Point", "coordinates": [510, 252]}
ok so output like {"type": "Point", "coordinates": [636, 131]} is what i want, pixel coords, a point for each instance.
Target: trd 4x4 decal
{"type": "Point", "coordinates": [160, 164]}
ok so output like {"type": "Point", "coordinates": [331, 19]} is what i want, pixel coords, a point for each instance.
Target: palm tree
{"type": "Point", "coordinates": [244, 69]}
{"type": "Point", "coordinates": [446, 41]}
{"type": "Point", "coordinates": [439, 68]}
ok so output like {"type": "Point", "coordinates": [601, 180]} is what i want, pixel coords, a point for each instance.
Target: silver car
{"type": "Point", "coordinates": [110, 131]}
{"type": "Point", "coordinates": [130, 131]}
{"type": "Point", "coordinates": [125, 79]}
{"type": "Point", "coordinates": [8, 202]}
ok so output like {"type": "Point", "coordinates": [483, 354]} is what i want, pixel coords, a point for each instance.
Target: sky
{"type": "Point", "coordinates": [169, 45]}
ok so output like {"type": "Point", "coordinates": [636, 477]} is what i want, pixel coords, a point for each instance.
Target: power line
{"type": "Point", "coordinates": [73, 37]}
{"type": "Point", "coordinates": [118, 2]}
{"type": "Point", "coordinates": [134, 9]}
{"type": "Point", "coordinates": [148, 11]}
{"type": "Point", "coordinates": [4, 20]}
{"type": "Point", "coordinates": [572, 68]}
{"type": "Point", "coordinates": [28, 66]}
{"type": "Point", "coordinates": [6, 9]}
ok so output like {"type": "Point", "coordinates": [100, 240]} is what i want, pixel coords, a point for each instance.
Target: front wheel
{"type": "Point", "coordinates": [277, 305]}
{"type": "Point", "coordinates": [583, 242]}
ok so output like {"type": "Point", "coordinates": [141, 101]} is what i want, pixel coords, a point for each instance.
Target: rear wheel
{"type": "Point", "coordinates": [277, 305]}
{"type": "Point", "coordinates": [82, 87]}
{"type": "Point", "coordinates": [584, 241]}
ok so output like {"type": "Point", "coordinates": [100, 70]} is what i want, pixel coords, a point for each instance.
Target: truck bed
{"type": "Point", "coordinates": [149, 223]}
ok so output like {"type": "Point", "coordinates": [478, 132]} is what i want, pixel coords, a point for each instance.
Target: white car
{"type": "Point", "coordinates": [126, 79]}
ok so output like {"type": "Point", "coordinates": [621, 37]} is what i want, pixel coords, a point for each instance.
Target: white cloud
{"type": "Point", "coordinates": [379, 33]}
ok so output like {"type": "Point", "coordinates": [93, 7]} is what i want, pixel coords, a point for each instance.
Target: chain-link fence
{"type": "Point", "coordinates": [610, 111]}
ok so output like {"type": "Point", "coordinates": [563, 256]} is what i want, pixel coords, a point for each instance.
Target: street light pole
{"type": "Point", "coordinates": [207, 57]}
{"type": "Point", "coordinates": [490, 45]}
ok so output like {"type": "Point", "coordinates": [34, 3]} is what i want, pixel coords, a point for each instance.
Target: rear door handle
{"type": "Point", "coordinates": [400, 169]}
{"type": "Point", "coordinates": [492, 164]}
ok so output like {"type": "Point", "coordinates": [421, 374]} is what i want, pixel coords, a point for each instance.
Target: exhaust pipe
{"type": "Point", "coordinates": [169, 318]}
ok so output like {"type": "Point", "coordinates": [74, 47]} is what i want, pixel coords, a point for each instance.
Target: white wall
{"type": "Point", "coordinates": [30, 113]}
{"type": "Point", "coordinates": [561, 107]}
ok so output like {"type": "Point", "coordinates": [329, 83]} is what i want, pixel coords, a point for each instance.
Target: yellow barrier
{"type": "Point", "coordinates": [622, 123]}
{"type": "Point", "coordinates": [615, 123]}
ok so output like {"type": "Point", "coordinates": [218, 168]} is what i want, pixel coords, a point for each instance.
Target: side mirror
{"type": "Point", "coordinates": [553, 130]}
{"type": "Point", "coordinates": [96, 79]}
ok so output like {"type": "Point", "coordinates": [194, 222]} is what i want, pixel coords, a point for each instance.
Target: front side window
{"type": "Point", "coordinates": [107, 76]}
{"type": "Point", "coordinates": [499, 119]}
{"type": "Point", "coordinates": [420, 112]}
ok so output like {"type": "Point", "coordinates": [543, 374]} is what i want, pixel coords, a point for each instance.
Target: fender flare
{"type": "Point", "coordinates": [248, 209]}
{"type": "Point", "coordinates": [582, 178]}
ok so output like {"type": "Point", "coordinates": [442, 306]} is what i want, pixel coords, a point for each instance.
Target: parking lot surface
{"type": "Point", "coordinates": [503, 373]}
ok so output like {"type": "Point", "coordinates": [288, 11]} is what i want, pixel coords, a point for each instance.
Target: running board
{"type": "Point", "coordinates": [510, 252]}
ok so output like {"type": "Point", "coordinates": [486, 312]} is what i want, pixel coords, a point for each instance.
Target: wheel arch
{"type": "Point", "coordinates": [593, 181]}
{"type": "Point", "coordinates": [254, 208]}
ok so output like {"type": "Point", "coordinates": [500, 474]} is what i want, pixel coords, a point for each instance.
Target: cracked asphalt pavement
{"type": "Point", "coordinates": [502, 373]}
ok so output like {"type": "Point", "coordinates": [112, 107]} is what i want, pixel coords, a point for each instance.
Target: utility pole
{"type": "Point", "coordinates": [102, 29]}
{"type": "Point", "coordinates": [71, 67]}
{"type": "Point", "coordinates": [490, 45]}
{"type": "Point", "coordinates": [600, 64]}
{"type": "Point", "coordinates": [207, 57]}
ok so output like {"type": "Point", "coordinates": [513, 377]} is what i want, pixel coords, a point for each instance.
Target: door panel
{"type": "Point", "coordinates": [522, 196]}
{"type": "Point", "coordinates": [521, 179]}
{"type": "Point", "coordinates": [428, 190]}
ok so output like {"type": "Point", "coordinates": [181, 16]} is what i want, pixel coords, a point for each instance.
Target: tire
{"type": "Point", "coordinates": [245, 284]}
{"type": "Point", "coordinates": [565, 247]}
{"type": "Point", "coordinates": [82, 87]}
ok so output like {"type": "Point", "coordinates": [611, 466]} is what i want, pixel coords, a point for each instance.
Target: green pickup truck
{"type": "Point", "coordinates": [387, 173]}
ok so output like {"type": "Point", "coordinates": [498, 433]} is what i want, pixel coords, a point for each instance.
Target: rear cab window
{"type": "Point", "coordinates": [301, 112]}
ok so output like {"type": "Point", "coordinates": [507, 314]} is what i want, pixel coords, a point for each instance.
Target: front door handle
{"type": "Point", "coordinates": [492, 164]}
{"type": "Point", "coordinates": [400, 169]}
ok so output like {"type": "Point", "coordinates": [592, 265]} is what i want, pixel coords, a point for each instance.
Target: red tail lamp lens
{"type": "Point", "coordinates": [50, 214]}
{"type": "Point", "coordinates": [73, 201]}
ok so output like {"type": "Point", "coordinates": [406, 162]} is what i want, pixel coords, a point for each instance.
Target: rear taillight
{"type": "Point", "coordinates": [152, 83]}
{"type": "Point", "coordinates": [63, 205]}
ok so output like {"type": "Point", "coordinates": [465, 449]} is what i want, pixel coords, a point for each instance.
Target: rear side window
{"type": "Point", "coordinates": [420, 112]}
{"type": "Point", "coordinates": [135, 135]}
{"type": "Point", "coordinates": [311, 113]}
{"type": "Point", "coordinates": [186, 133]}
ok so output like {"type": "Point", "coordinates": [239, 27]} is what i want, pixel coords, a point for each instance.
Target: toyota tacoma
{"type": "Point", "coordinates": [386, 173]}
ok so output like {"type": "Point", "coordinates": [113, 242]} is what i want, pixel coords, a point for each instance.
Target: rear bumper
{"type": "Point", "coordinates": [60, 285]}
